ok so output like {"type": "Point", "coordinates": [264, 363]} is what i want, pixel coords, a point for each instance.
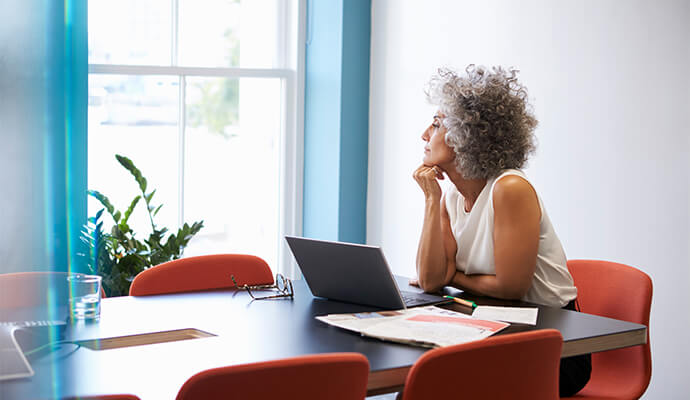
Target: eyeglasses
{"type": "Point", "coordinates": [283, 285]}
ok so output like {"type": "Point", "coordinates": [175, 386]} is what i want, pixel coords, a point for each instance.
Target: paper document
{"type": "Point", "coordinates": [423, 326]}
{"type": "Point", "coordinates": [520, 315]}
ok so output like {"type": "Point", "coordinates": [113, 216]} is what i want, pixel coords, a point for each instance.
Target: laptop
{"type": "Point", "coordinates": [353, 273]}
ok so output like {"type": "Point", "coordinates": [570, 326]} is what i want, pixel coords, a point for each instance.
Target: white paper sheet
{"type": "Point", "coordinates": [421, 326]}
{"type": "Point", "coordinates": [520, 315]}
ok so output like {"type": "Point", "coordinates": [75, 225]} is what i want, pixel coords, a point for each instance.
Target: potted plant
{"type": "Point", "coordinates": [118, 256]}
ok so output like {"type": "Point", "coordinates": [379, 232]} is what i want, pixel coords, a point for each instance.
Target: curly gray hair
{"type": "Point", "coordinates": [490, 123]}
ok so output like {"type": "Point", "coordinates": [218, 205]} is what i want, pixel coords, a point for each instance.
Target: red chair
{"type": "Point", "coordinates": [514, 366]}
{"type": "Point", "coordinates": [34, 289]}
{"type": "Point", "coordinates": [201, 273]}
{"type": "Point", "coordinates": [335, 376]}
{"type": "Point", "coordinates": [622, 292]}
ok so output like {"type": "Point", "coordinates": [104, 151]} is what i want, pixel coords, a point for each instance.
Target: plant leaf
{"type": "Point", "coordinates": [129, 165]}
{"type": "Point", "coordinates": [150, 196]}
{"type": "Point", "coordinates": [103, 200]}
{"type": "Point", "coordinates": [131, 208]}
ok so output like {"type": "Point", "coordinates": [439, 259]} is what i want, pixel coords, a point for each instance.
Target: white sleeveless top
{"type": "Point", "coordinates": [552, 284]}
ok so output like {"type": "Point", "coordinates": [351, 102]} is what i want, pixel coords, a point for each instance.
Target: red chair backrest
{"type": "Point", "coordinates": [335, 376]}
{"type": "Point", "coordinates": [201, 273]}
{"type": "Point", "coordinates": [511, 366]}
{"type": "Point", "coordinates": [622, 292]}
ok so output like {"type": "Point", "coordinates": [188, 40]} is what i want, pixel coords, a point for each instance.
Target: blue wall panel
{"type": "Point", "coordinates": [336, 119]}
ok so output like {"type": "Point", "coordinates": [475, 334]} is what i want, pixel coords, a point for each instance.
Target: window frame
{"type": "Point", "coordinates": [291, 57]}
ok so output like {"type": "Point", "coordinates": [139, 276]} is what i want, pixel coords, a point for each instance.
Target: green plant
{"type": "Point", "coordinates": [118, 256]}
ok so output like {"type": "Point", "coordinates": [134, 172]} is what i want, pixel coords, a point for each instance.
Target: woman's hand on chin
{"type": "Point", "coordinates": [427, 177]}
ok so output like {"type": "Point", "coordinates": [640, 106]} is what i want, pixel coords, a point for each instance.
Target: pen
{"type": "Point", "coordinates": [462, 301]}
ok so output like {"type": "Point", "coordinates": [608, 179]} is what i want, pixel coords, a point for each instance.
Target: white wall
{"type": "Point", "coordinates": [609, 83]}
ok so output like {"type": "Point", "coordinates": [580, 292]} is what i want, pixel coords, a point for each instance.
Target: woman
{"type": "Point", "coordinates": [489, 232]}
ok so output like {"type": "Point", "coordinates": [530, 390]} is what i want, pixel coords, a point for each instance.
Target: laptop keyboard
{"type": "Point", "coordinates": [412, 299]}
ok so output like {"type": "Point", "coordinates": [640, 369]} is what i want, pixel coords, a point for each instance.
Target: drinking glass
{"type": "Point", "coordinates": [84, 296]}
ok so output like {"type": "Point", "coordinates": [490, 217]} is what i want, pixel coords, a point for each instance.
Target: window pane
{"type": "Point", "coordinates": [228, 33]}
{"type": "Point", "coordinates": [232, 163]}
{"type": "Point", "coordinates": [135, 116]}
{"type": "Point", "coordinates": [136, 32]}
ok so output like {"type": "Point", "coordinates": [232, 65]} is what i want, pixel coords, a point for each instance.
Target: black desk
{"type": "Point", "coordinates": [249, 332]}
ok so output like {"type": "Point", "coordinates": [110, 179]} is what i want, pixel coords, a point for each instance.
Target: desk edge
{"type": "Point", "coordinates": [604, 343]}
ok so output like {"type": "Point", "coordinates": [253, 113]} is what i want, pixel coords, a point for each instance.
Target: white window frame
{"type": "Point", "coordinates": [292, 114]}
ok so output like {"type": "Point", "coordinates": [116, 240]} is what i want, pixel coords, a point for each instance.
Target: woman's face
{"type": "Point", "coordinates": [436, 151]}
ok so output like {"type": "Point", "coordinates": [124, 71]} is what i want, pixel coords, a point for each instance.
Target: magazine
{"type": "Point", "coordinates": [422, 326]}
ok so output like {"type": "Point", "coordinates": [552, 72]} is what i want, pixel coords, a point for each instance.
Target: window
{"type": "Point", "coordinates": [203, 96]}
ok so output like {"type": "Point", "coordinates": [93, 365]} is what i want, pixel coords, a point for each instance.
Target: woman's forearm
{"type": "Point", "coordinates": [431, 257]}
{"type": "Point", "coordinates": [487, 285]}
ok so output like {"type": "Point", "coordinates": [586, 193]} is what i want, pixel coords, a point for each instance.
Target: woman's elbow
{"type": "Point", "coordinates": [430, 286]}
{"type": "Point", "coordinates": [514, 292]}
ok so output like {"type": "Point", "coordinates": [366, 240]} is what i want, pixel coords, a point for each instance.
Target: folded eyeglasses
{"type": "Point", "coordinates": [282, 285]}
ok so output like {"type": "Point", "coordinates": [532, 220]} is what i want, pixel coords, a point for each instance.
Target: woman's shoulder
{"type": "Point", "coordinates": [512, 187]}
{"type": "Point", "coordinates": [511, 183]}
{"type": "Point", "coordinates": [507, 173]}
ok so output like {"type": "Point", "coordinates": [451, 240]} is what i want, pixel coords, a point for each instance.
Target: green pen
{"type": "Point", "coordinates": [462, 301]}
